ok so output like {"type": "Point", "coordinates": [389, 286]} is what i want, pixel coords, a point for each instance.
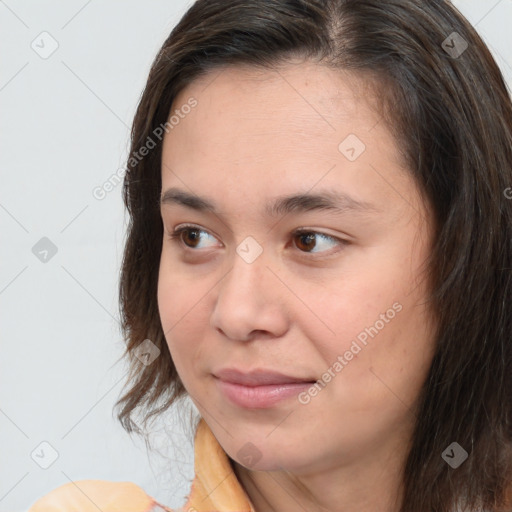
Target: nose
{"type": "Point", "coordinates": [250, 302]}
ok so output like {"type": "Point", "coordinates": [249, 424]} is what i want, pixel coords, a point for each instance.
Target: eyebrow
{"type": "Point", "coordinates": [325, 200]}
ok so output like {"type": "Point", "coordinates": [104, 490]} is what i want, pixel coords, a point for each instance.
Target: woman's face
{"type": "Point", "coordinates": [341, 304]}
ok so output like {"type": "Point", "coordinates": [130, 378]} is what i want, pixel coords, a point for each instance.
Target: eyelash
{"type": "Point", "coordinates": [175, 237]}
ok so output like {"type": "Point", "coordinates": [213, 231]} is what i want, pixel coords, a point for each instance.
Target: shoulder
{"type": "Point", "coordinates": [94, 495]}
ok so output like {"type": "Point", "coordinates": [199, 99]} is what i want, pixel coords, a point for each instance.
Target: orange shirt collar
{"type": "Point", "coordinates": [215, 487]}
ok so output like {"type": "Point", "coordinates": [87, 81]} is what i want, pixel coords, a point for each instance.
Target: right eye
{"type": "Point", "coordinates": [193, 235]}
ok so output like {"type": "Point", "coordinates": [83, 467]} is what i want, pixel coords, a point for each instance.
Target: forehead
{"type": "Point", "coordinates": [280, 130]}
{"type": "Point", "coordinates": [291, 102]}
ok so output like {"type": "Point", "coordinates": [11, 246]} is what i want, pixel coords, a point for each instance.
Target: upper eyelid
{"type": "Point", "coordinates": [191, 226]}
{"type": "Point", "coordinates": [337, 239]}
{"type": "Point", "coordinates": [295, 231]}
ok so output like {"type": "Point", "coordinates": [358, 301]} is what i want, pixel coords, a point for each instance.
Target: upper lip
{"type": "Point", "coordinates": [258, 377]}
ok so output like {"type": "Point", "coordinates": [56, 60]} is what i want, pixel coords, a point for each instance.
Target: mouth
{"type": "Point", "coordinates": [259, 389]}
{"type": "Point", "coordinates": [258, 377]}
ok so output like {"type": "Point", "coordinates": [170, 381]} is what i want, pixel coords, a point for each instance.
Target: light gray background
{"type": "Point", "coordinates": [64, 124]}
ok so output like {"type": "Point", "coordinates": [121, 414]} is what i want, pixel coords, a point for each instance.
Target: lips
{"type": "Point", "coordinates": [259, 389]}
{"type": "Point", "coordinates": [258, 377]}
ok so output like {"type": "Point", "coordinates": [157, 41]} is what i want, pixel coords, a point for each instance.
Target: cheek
{"type": "Point", "coordinates": [178, 294]}
{"type": "Point", "coordinates": [174, 310]}
{"type": "Point", "coordinates": [183, 309]}
{"type": "Point", "coordinates": [348, 309]}
{"type": "Point", "coordinates": [379, 328]}
{"type": "Point", "coordinates": [386, 363]}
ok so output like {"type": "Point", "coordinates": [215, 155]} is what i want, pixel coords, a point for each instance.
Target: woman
{"type": "Point", "coordinates": [345, 331]}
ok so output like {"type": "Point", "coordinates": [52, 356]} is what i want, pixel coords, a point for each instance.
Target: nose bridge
{"type": "Point", "coordinates": [248, 299]}
{"type": "Point", "coordinates": [246, 281]}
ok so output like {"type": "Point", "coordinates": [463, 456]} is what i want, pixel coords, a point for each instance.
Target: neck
{"type": "Point", "coordinates": [367, 484]}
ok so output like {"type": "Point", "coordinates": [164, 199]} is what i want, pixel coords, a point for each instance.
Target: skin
{"type": "Point", "coordinates": [255, 135]}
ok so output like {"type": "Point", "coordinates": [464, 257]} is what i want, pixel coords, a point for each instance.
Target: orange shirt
{"type": "Point", "coordinates": [215, 488]}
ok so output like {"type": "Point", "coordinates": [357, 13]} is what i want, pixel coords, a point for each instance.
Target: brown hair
{"type": "Point", "coordinates": [450, 110]}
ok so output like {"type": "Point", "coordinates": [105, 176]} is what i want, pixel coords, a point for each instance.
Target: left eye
{"type": "Point", "coordinates": [306, 238]}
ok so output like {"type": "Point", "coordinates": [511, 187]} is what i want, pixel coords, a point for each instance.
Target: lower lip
{"type": "Point", "coordinates": [260, 397]}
